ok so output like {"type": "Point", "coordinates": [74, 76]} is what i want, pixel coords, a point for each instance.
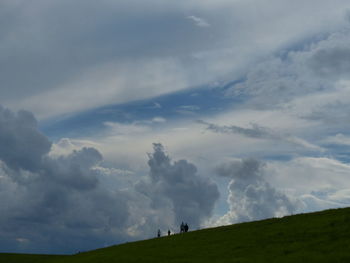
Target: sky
{"type": "Point", "coordinates": [119, 118]}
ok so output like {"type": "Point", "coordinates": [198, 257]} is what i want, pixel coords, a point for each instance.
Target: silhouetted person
{"type": "Point", "coordinates": [158, 233]}
{"type": "Point", "coordinates": [186, 227]}
{"type": "Point", "coordinates": [169, 232]}
{"type": "Point", "coordinates": [182, 227]}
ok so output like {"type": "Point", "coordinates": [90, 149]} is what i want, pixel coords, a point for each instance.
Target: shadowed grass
{"type": "Point", "coordinates": [316, 237]}
{"type": "Point", "coordinates": [26, 258]}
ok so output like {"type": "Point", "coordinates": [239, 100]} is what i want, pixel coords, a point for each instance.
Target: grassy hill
{"type": "Point", "coordinates": [315, 237]}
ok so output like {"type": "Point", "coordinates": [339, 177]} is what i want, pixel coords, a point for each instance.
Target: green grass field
{"type": "Point", "coordinates": [316, 237]}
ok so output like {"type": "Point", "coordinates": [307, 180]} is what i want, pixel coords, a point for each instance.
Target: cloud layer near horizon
{"type": "Point", "coordinates": [54, 203]}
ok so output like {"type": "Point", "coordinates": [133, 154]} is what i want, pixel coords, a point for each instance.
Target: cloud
{"type": "Point", "coordinates": [255, 132]}
{"type": "Point", "coordinates": [22, 144]}
{"type": "Point", "coordinates": [307, 82]}
{"type": "Point", "coordinates": [338, 139]}
{"type": "Point", "coordinates": [65, 146]}
{"type": "Point", "coordinates": [331, 62]}
{"type": "Point", "coordinates": [64, 59]}
{"type": "Point", "coordinates": [199, 21]}
{"type": "Point", "coordinates": [148, 77]}
{"type": "Point", "coordinates": [188, 109]}
{"type": "Point", "coordinates": [329, 107]}
{"type": "Point", "coordinates": [176, 185]}
{"type": "Point", "coordinates": [308, 174]}
{"type": "Point", "coordinates": [126, 129]}
{"type": "Point", "coordinates": [317, 182]}
{"type": "Point", "coordinates": [135, 128]}
{"type": "Point", "coordinates": [62, 198]}
{"type": "Point", "coordinates": [259, 132]}
{"type": "Point", "coordinates": [158, 120]}
{"type": "Point", "coordinates": [156, 105]}
{"type": "Point", "coordinates": [251, 197]}
{"type": "Point", "coordinates": [321, 200]}
{"type": "Point", "coordinates": [55, 203]}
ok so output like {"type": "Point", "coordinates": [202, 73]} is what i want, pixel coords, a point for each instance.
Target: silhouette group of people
{"type": "Point", "coordinates": [183, 229]}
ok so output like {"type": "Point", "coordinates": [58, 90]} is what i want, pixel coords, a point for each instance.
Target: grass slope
{"type": "Point", "coordinates": [23, 258]}
{"type": "Point", "coordinates": [316, 237]}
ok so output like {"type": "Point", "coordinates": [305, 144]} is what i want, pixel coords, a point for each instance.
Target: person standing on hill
{"type": "Point", "coordinates": [169, 232]}
{"type": "Point", "coordinates": [186, 228]}
{"type": "Point", "coordinates": [159, 233]}
{"type": "Point", "coordinates": [182, 227]}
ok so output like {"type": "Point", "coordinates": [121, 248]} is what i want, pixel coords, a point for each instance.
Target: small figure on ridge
{"type": "Point", "coordinates": [186, 227]}
{"type": "Point", "coordinates": [182, 227]}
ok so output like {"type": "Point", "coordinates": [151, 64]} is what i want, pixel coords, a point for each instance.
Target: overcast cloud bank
{"type": "Point", "coordinates": [55, 203]}
{"type": "Point", "coordinates": [66, 52]}
{"type": "Point", "coordinates": [63, 199]}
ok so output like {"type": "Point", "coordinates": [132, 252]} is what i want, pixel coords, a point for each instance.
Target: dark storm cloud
{"type": "Point", "coordinates": [176, 184]}
{"type": "Point", "coordinates": [52, 204]}
{"type": "Point", "coordinates": [79, 164]}
{"type": "Point", "coordinates": [22, 145]}
{"type": "Point", "coordinates": [251, 197]}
